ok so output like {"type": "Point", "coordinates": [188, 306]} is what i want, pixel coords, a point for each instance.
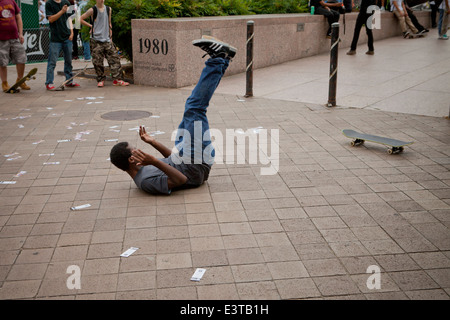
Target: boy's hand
{"type": "Point", "coordinates": [142, 158]}
{"type": "Point", "coordinates": [145, 136]}
{"type": "Point", "coordinates": [64, 8]}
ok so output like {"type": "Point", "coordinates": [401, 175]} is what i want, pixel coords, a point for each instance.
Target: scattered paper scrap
{"type": "Point", "coordinates": [15, 158]}
{"type": "Point", "coordinates": [113, 127]}
{"type": "Point", "coordinates": [37, 142]}
{"type": "Point", "coordinates": [154, 133]}
{"type": "Point", "coordinates": [129, 252]}
{"type": "Point", "coordinates": [51, 163]}
{"type": "Point", "coordinates": [10, 155]}
{"type": "Point", "coordinates": [64, 140]}
{"type": "Point", "coordinates": [7, 182]}
{"type": "Point", "coordinates": [256, 130]}
{"type": "Point", "coordinates": [21, 126]}
{"type": "Point", "coordinates": [198, 274]}
{"type": "Point", "coordinates": [83, 206]}
{"type": "Point", "coordinates": [21, 173]}
{"type": "Point", "coordinates": [46, 154]}
{"type": "Point", "coordinates": [155, 117]}
{"type": "Point", "coordinates": [111, 140]}
{"type": "Point", "coordinates": [21, 117]}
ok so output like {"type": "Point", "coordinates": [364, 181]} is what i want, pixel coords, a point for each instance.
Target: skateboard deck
{"type": "Point", "coordinates": [395, 146]}
{"type": "Point", "coordinates": [412, 36]}
{"type": "Point", "coordinates": [61, 86]}
{"type": "Point", "coordinates": [16, 87]}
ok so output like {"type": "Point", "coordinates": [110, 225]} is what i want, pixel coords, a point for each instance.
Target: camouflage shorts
{"type": "Point", "coordinates": [12, 50]}
{"type": "Point", "coordinates": [101, 51]}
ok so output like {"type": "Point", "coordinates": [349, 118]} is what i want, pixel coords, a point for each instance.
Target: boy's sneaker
{"type": "Point", "coordinates": [215, 48]}
{"type": "Point", "coordinates": [5, 85]}
{"type": "Point", "coordinates": [351, 52]}
{"type": "Point", "coordinates": [443, 37]}
{"type": "Point", "coordinates": [72, 85]}
{"type": "Point", "coordinates": [405, 34]}
{"type": "Point", "coordinates": [120, 83]}
{"type": "Point", "coordinates": [101, 84]}
{"type": "Point", "coordinates": [24, 86]}
{"type": "Point", "coordinates": [50, 86]}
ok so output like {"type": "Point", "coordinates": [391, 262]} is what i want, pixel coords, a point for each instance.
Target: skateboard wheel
{"type": "Point", "coordinates": [390, 151]}
{"type": "Point", "coordinates": [352, 143]}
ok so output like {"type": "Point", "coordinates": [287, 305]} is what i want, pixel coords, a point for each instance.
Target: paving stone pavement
{"type": "Point", "coordinates": [310, 231]}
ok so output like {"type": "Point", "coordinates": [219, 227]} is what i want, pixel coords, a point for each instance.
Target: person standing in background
{"type": "Point", "coordinates": [11, 42]}
{"type": "Point", "coordinates": [84, 38]}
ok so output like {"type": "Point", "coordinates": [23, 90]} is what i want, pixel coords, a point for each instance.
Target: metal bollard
{"type": "Point", "coordinates": [333, 64]}
{"type": "Point", "coordinates": [249, 69]}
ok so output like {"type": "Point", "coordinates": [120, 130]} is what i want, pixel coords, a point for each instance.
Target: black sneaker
{"type": "Point", "coordinates": [405, 34]}
{"type": "Point", "coordinates": [215, 48]}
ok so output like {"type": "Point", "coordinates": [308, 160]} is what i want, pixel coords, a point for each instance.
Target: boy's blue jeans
{"type": "Point", "coordinates": [53, 55]}
{"type": "Point", "coordinates": [193, 136]}
{"type": "Point", "coordinates": [443, 22]}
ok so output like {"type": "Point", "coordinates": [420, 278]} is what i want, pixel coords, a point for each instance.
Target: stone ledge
{"type": "Point", "coordinates": [164, 56]}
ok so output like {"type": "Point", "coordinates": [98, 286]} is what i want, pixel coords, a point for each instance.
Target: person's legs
{"type": "Point", "coordinates": [67, 51]}
{"type": "Point", "coordinates": [401, 20]}
{"type": "Point", "coordinates": [97, 59]}
{"type": "Point", "coordinates": [415, 22]}
{"type": "Point", "coordinates": [328, 14]}
{"type": "Point", "coordinates": [53, 54]}
{"type": "Point", "coordinates": [114, 64]}
{"type": "Point", "coordinates": [86, 51]}
{"type": "Point", "coordinates": [411, 25]}
{"type": "Point", "coordinates": [4, 61]}
{"type": "Point", "coordinates": [359, 23]}
{"type": "Point", "coordinates": [434, 10]}
{"type": "Point", "coordinates": [370, 39]}
{"type": "Point", "coordinates": [195, 122]}
{"type": "Point", "coordinates": [75, 44]}
{"type": "Point", "coordinates": [444, 26]}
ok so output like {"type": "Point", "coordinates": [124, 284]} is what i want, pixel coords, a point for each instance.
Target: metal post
{"type": "Point", "coordinates": [333, 64]}
{"type": "Point", "coordinates": [249, 69]}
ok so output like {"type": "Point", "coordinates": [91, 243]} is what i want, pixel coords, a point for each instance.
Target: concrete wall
{"type": "Point", "coordinates": [164, 56]}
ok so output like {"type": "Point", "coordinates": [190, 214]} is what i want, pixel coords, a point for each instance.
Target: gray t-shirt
{"type": "Point", "coordinates": [152, 180]}
{"type": "Point", "coordinates": [101, 26]}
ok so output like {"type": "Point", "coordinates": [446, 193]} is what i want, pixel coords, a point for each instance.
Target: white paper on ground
{"type": "Point", "coordinates": [83, 206]}
{"type": "Point", "coordinates": [198, 274]}
{"type": "Point", "coordinates": [129, 252]}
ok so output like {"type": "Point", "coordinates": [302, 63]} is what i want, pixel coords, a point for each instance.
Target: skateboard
{"type": "Point", "coordinates": [61, 86]}
{"type": "Point", "coordinates": [15, 88]}
{"type": "Point", "coordinates": [416, 35]}
{"type": "Point", "coordinates": [395, 146]}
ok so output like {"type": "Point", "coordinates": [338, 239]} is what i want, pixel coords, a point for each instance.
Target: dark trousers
{"type": "Point", "coordinates": [331, 15]}
{"type": "Point", "coordinates": [414, 20]}
{"type": "Point", "coordinates": [75, 44]}
{"type": "Point", "coordinates": [434, 11]}
{"type": "Point", "coordinates": [360, 21]}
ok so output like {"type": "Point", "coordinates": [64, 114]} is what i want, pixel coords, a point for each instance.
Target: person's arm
{"type": "Point", "coordinates": [86, 15]}
{"type": "Point", "coordinates": [71, 29]}
{"type": "Point", "coordinates": [110, 23]}
{"type": "Point", "coordinates": [58, 15]}
{"type": "Point", "coordinates": [405, 13]}
{"type": "Point", "coordinates": [328, 5]}
{"type": "Point", "coordinates": [166, 152]}
{"type": "Point", "coordinates": [175, 177]}
{"type": "Point", "coordinates": [446, 5]}
{"type": "Point", "coordinates": [396, 6]}
{"type": "Point", "coordinates": [20, 27]}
